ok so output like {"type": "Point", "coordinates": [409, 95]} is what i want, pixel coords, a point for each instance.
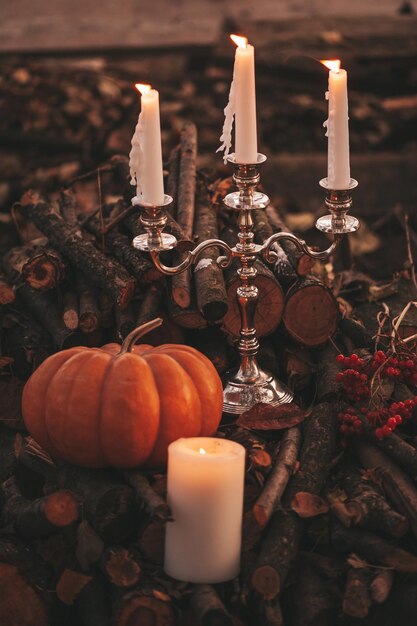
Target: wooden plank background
{"type": "Point", "coordinates": [81, 25]}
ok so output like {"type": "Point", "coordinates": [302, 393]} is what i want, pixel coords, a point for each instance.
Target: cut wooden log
{"type": "Point", "coordinates": [106, 310]}
{"type": "Point", "coordinates": [93, 604]}
{"type": "Point", "coordinates": [280, 545]}
{"type": "Point", "coordinates": [7, 458]}
{"type": "Point", "coordinates": [22, 579]}
{"type": "Point", "coordinates": [28, 344]}
{"type": "Point", "coordinates": [189, 318]}
{"type": "Point", "coordinates": [11, 390]}
{"type": "Point", "coordinates": [311, 312]}
{"type": "Point", "coordinates": [381, 585]}
{"type": "Point", "coordinates": [207, 607]}
{"type": "Point", "coordinates": [278, 551]}
{"type": "Point", "coordinates": [314, 598]}
{"type": "Point", "coordinates": [121, 567]}
{"type": "Point", "coordinates": [44, 307]}
{"type": "Point", "coordinates": [125, 321]}
{"type": "Point", "coordinates": [270, 301]}
{"type": "Point", "coordinates": [40, 267]}
{"type": "Point", "coordinates": [104, 272]}
{"type": "Point", "coordinates": [269, 500]}
{"type": "Point", "coordinates": [372, 548]}
{"type": "Point", "coordinates": [68, 207]}
{"type": "Point", "coordinates": [70, 310]}
{"type": "Point", "coordinates": [181, 289]}
{"type": "Point", "coordinates": [398, 487]}
{"type": "Point", "coordinates": [40, 517]}
{"type": "Point", "coordinates": [109, 505]}
{"type": "Point", "coordinates": [356, 600]}
{"type": "Point", "coordinates": [327, 369]}
{"type": "Point", "coordinates": [271, 613]}
{"type": "Point", "coordinates": [121, 247]}
{"type": "Point", "coordinates": [136, 608]}
{"type": "Point", "coordinates": [366, 504]}
{"type": "Point", "coordinates": [357, 333]}
{"type": "Point", "coordinates": [317, 451]}
{"type": "Point", "coordinates": [291, 262]}
{"type": "Point", "coordinates": [151, 304]}
{"type": "Point", "coordinates": [172, 180]}
{"type": "Point", "coordinates": [399, 450]}
{"type": "Point", "coordinates": [151, 540]}
{"type": "Point", "coordinates": [147, 498]}
{"type": "Point", "coordinates": [88, 312]}
{"type": "Point", "coordinates": [211, 293]}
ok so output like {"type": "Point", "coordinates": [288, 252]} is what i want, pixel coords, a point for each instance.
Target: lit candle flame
{"type": "Point", "coordinates": [143, 88]}
{"type": "Point", "coordinates": [240, 41]}
{"type": "Point", "coordinates": [333, 64]}
{"type": "Point", "coordinates": [202, 451]}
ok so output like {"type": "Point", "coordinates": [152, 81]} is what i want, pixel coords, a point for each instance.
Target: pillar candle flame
{"type": "Point", "coordinates": [202, 451]}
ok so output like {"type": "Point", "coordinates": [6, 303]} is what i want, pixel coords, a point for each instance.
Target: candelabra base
{"type": "Point", "coordinates": [240, 396]}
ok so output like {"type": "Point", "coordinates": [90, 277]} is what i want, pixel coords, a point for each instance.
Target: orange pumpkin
{"type": "Point", "coordinates": [121, 406]}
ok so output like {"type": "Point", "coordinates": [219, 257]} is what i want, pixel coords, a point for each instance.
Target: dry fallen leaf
{"type": "Point", "coordinates": [89, 545]}
{"type": "Point", "coordinates": [263, 416]}
{"type": "Point", "coordinates": [308, 505]}
{"type": "Point", "coordinates": [356, 562]}
{"type": "Point", "coordinates": [70, 584]}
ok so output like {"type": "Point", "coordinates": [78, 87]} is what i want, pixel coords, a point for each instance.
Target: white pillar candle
{"type": "Point", "coordinates": [242, 105]}
{"type": "Point", "coordinates": [205, 493]}
{"type": "Point", "coordinates": [338, 166]}
{"type": "Point", "coordinates": [145, 158]}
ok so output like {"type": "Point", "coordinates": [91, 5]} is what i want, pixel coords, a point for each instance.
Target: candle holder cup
{"type": "Point", "coordinates": [153, 219]}
{"type": "Point", "coordinates": [250, 384]}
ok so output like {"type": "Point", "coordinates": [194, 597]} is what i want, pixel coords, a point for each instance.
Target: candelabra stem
{"type": "Point", "coordinates": [247, 296]}
{"type": "Point", "coordinates": [250, 384]}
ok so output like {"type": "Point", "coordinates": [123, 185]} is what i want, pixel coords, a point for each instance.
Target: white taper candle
{"type": "Point", "coordinates": [146, 155]}
{"type": "Point", "coordinates": [242, 105]}
{"type": "Point", "coordinates": [338, 165]}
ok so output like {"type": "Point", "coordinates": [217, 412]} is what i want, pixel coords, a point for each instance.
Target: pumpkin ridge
{"type": "Point", "coordinates": [116, 364]}
{"type": "Point", "coordinates": [68, 425]}
{"type": "Point", "coordinates": [148, 356]}
{"type": "Point", "coordinates": [51, 439]}
{"type": "Point", "coordinates": [101, 406]}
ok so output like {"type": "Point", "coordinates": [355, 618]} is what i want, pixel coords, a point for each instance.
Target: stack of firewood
{"type": "Point", "coordinates": [78, 280]}
{"type": "Point", "coordinates": [327, 535]}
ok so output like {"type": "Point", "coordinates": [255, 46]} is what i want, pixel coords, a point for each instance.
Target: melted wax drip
{"type": "Point", "coordinates": [229, 114]}
{"type": "Point", "coordinates": [136, 156]}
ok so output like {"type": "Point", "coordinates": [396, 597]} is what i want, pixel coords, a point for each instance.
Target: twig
{"type": "Point", "coordinates": [100, 208]}
{"type": "Point", "coordinates": [409, 251]}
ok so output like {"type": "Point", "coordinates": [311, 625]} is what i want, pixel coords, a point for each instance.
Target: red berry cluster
{"type": "Point", "coordinates": [353, 379]}
{"type": "Point", "coordinates": [355, 383]}
{"type": "Point", "coordinates": [403, 369]}
{"type": "Point", "coordinates": [349, 424]}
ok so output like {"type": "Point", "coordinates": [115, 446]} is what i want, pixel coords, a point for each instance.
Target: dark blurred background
{"type": "Point", "coordinates": [67, 101]}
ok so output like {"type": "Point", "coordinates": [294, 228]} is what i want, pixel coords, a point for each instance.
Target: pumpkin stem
{"type": "Point", "coordinates": [138, 332]}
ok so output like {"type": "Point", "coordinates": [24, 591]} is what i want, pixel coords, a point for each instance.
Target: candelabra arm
{"type": "Point", "coordinates": [192, 256]}
{"type": "Point", "coordinates": [321, 255]}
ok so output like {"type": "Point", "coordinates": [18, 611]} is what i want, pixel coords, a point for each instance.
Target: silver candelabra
{"type": "Point", "coordinates": [250, 384]}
